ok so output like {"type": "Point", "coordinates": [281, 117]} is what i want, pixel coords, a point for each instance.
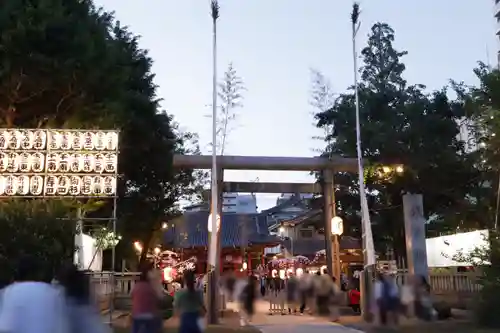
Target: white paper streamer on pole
{"type": "Point", "coordinates": [368, 247]}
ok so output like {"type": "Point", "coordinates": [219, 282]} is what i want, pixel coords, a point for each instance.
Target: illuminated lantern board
{"type": "Point", "coordinates": [48, 162]}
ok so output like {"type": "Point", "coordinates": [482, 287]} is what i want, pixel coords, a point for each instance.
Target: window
{"type": "Point", "coordinates": [306, 233]}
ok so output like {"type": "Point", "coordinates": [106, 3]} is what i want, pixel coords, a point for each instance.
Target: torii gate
{"type": "Point", "coordinates": [325, 165]}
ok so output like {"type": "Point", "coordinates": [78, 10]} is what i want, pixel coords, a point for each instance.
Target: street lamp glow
{"type": "Point", "coordinates": [337, 226]}
{"type": "Point", "coordinates": [137, 246]}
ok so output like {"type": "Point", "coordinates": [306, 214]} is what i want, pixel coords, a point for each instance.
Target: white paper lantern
{"type": "Point", "coordinates": [97, 185]}
{"type": "Point", "coordinates": [54, 140]}
{"type": "Point", "coordinates": [10, 185]}
{"type": "Point", "coordinates": [112, 141]}
{"type": "Point", "coordinates": [23, 185]}
{"type": "Point", "coordinates": [98, 163]}
{"type": "Point", "coordinates": [100, 140]}
{"type": "Point", "coordinates": [110, 163]}
{"type": "Point", "coordinates": [88, 140]}
{"type": "Point", "coordinates": [39, 140]}
{"type": "Point", "coordinates": [65, 163]}
{"type": "Point", "coordinates": [4, 139]}
{"type": "Point", "coordinates": [76, 164]}
{"type": "Point", "coordinates": [66, 140]}
{"type": "Point", "coordinates": [75, 185]}
{"type": "Point", "coordinates": [2, 185]}
{"type": "Point", "coordinates": [63, 185]}
{"type": "Point", "coordinates": [13, 162]}
{"type": "Point", "coordinates": [37, 162]}
{"type": "Point", "coordinates": [53, 160]}
{"type": "Point", "coordinates": [24, 162]}
{"type": "Point", "coordinates": [51, 185]}
{"type": "Point", "coordinates": [4, 161]}
{"type": "Point", "coordinates": [86, 185]}
{"type": "Point", "coordinates": [36, 185]}
{"type": "Point", "coordinates": [109, 185]}
{"type": "Point", "coordinates": [88, 162]}
{"type": "Point", "coordinates": [15, 140]}
{"type": "Point", "coordinates": [27, 139]}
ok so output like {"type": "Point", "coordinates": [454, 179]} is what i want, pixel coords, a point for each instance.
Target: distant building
{"type": "Point", "coordinates": [233, 203]}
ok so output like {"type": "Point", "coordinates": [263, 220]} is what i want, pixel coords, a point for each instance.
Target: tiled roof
{"type": "Point", "coordinates": [236, 230]}
{"type": "Point", "coordinates": [308, 247]}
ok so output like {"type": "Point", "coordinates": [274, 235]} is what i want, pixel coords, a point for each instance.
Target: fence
{"type": "Point", "coordinates": [444, 283]}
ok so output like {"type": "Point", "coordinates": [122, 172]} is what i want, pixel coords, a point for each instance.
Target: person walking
{"type": "Point", "coordinates": [189, 305]}
{"type": "Point", "coordinates": [305, 290]}
{"type": "Point", "coordinates": [145, 304]}
{"type": "Point", "coordinates": [31, 305]}
{"type": "Point", "coordinates": [83, 316]}
{"type": "Point", "coordinates": [247, 301]}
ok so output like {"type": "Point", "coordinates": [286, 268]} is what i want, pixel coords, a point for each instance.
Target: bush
{"type": "Point", "coordinates": [41, 228]}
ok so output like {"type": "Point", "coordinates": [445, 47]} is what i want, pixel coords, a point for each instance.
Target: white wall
{"type": "Point", "coordinates": [441, 250]}
{"type": "Point", "coordinates": [87, 257]}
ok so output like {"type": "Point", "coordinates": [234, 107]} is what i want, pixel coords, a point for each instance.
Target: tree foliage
{"type": "Point", "coordinates": [42, 228]}
{"type": "Point", "coordinates": [400, 124]}
{"type": "Point", "coordinates": [68, 64]}
{"type": "Point", "coordinates": [230, 94]}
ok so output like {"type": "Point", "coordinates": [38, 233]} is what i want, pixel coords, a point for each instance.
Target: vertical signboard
{"type": "Point", "coordinates": [415, 234]}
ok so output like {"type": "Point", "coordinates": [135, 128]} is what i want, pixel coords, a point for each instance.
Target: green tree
{"type": "Point", "coordinates": [70, 64]}
{"type": "Point", "coordinates": [400, 124]}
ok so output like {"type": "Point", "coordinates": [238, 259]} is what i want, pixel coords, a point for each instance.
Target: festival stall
{"type": "Point", "coordinates": [283, 267]}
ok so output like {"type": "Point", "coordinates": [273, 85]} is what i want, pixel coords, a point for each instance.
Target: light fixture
{"type": "Point", "coordinates": [399, 169]}
{"type": "Point", "coordinates": [209, 223]}
{"type": "Point", "coordinates": [282, 230]}
{"type": "Point", "coordinates": [157, 250]}
{"type": "Point", "coordinates": [282, 274]}
{"type": "Point", "coordinates": [138, 246]}
{"type": "Point", "coordinates": [299, 272]}
{"type": "Point", "coordinates": [274, 273]}
{"type": "Point", "coordinates": [386, 169]}
{"type": "Point", "coordinates": [164, 225]}
{"type": "Point", "coordinates": [244, 266]}
{"type": "Point", "coordinates": [337, 225]}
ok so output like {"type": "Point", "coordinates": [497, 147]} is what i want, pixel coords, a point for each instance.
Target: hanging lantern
{"type": "Point", "coordinates": [27, 139]}
{"type": "Point", "coordinates": [23, 185]}
{"type": "Point", "coordinates": [39, 140]}
{"type": "Point", "coordinates": [4, 139]}
{"type": "Point", "coordinates": [75, 185]}
{"type": "Point", "coordinates": [15, 140]}
{"type": "Point", "coordinates": [65, 163]}
{"type": "Point", "coordinates": [86, 185]}
{"type": "Point", "coordinates": [99, 163]}
{"type": "Point", "coordinates": [54, 140]}
{"type": "Point", "coordinates": [88, 141]}
{"type": "Point", "coordinates": [50, 185]}
{"type": "Point", "coordinates": [10, 185]}
{"type": "Point", "coordinates": [100, 140]}
{"type": "Point", "coordinates": [110, 163]}
{"type": "Point", "coordinates": [88, 163]}
{"type": "Point", "coordinates": [36, 185]}
{"type": "Point", "coordinates": [13, 162]}
{"type": "Point", "coordinates": [37, 162]}
{"type": "Point", "coordinates": [112, 141]}
{"type": "Point", "coordinates": [97, 185]}
{"type": "Point", "coordinates": [53, 162]}
{"type": "Point", "coordinates": [66, 140]}
{"type": "Point", "coordinates": [63, 185]}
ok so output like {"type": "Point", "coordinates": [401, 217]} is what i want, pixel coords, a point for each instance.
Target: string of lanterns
{"type": "Point", "coordinates": [72, 185]}
{"type": "Point", "coordinates": [36, 162]}
{"type": "Point", "coordinates": [58, 140]}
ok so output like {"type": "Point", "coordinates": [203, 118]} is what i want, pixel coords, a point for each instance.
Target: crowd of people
{"type": "Point", "coordinates": [64, 303]}
{"type": "Point", "coordinates": [38, 302]}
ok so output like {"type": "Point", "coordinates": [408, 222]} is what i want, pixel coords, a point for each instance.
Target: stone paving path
{"type": "Point", "coordinates": [294, 323]}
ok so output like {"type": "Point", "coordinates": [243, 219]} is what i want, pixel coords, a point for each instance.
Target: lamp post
{"type": "Point", "coordinates": [337, 227]}
{"type": "Point", "coordinates": [282, 234]}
